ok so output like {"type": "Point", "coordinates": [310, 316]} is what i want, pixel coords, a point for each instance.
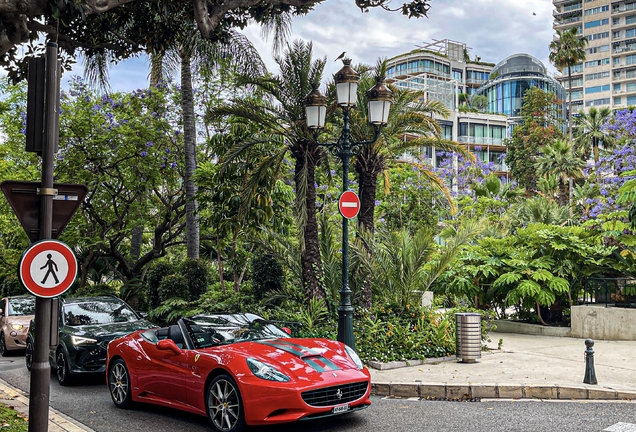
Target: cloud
{"type": "Point", "coordinates": [492, 29]}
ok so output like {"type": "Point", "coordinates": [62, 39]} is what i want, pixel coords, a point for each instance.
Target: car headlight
{"type": "Point", "coordinates": [17, 326]}
{"type": "Point", "coordinates": [265, 371]}
{"type": "Point", "coordinates": [78, 340]}
{"type": "Point", "coordinates": [354, 356]}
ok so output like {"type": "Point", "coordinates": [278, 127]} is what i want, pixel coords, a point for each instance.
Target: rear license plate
{"type": "Point", "coordinates": [340, 408]}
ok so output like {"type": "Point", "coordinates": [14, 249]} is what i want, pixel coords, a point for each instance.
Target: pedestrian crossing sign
{"type": "Point", "coordinates": [48, 268]}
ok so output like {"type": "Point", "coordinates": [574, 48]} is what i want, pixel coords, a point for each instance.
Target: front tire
{"type": "Point", "coordinates": [28, 355]}
{"type": "Point", "coordinates": [62, 369]}
{"type": "Point", "coordinates": [119, 384]}
{"type": "Point", "coordinates": [3, 346]}
{"type": "Point", "coordinates": [224, 405]}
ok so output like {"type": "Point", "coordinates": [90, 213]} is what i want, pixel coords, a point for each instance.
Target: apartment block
{"type": "Point", "coordinates": [607, 77]}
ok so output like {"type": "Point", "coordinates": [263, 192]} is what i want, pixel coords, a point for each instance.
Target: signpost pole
{"type": "Point", "coordinates": [40, 371]}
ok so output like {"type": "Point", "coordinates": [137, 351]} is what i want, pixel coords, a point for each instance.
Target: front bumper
{"type": "Point", "coordinates": [270, 403]}
{"type": "Point", "coordinates": [89, 358]}
{"type": "Point", "coordinates": [16, 339]}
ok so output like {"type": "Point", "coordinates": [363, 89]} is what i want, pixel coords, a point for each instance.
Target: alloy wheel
{"type": "Point", "coordinates": [119, 384]}
{"type": "Point", "coordinates": [28, 356]}
{"type": "Point", "coordinates": [224, 405]}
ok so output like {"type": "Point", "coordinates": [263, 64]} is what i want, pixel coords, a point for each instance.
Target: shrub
{"type": "Point", "coordinates": [173, 286]}
{"type": "Point", "coordinates": [153, 280]}
{"type": "Point", "coordinates": [197, 275]}
{"type": "Point", "coordinates": [11, 286]}
{"type": "Point", "coordinates": [267, 275]}
{"type": "Point", "coordinates": [90, 290]}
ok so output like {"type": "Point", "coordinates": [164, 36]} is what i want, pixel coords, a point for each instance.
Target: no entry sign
{"type": "Point", "coordinates": [48, 268]}
{"type": "Point", "coordinates": [349, 204]}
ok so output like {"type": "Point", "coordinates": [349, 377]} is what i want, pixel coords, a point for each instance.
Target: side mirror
{"type": "Point", "coordinates": [168, 345]}
{"type": "Point", "coordinates": [287, 330]}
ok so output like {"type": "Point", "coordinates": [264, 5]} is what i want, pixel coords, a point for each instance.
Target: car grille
{"type": "Point", "coordinates": [335, 395]}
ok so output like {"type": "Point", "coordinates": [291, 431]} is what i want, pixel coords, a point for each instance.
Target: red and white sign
{"type": "Point", "coordinates": [349, 204]}
{"type": "Point", "coordinates": [48, 268]}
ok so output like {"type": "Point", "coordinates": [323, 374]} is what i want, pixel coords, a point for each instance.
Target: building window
{"type": "Point", "coordinates": [597, 10]}
{"type": "Point", "coordinates": [596, 23]}
{"type": "Point", "coordinates": [597, 102]}
{"type": "Point", "coordinates": [597, 75]}
{"type": "Point", "coordinates": [617, 100]}
{"type": "Point", "coordinates": [630, 19]}
{"type": "Point", "coordinates": [631, 100]}
{"type": "Point", "coordinates": [597, 89]}
{"type": "Point", "coordinates": [594, 63]}
{"type": "Point", "coordinates": [596, 36]}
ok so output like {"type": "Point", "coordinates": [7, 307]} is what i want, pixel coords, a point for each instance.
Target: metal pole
{"type": "Point", "coordinates": [345, 310]}
{"type": "Point", "coordinates": [40, 370]}
{"type": "Point", "coordinates": [590, 375]}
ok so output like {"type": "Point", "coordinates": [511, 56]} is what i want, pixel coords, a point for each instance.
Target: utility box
{"type": "Point", "coordinates": [468, 336]}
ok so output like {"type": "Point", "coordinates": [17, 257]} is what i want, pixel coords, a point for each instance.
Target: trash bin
{"type": "Point", "coordinates": [468, 336]}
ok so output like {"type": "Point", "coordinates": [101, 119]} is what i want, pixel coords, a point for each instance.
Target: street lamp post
{"type": "Point", "coordinates": [379, 102]}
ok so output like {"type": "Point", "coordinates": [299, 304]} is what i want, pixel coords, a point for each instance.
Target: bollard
{"type": "Point", "coordinates": [590, 375]}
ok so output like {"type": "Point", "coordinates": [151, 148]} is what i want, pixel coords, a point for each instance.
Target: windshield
{"type": "Point", "coordinates": [21, 306]}
{"type": "Point", "coordinates": [97, 312]}
{"type": "Point", "coordinates": [207, 331]}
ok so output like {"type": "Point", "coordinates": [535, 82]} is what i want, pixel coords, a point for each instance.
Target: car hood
{"type": "Point", "coordinates": [300, 356]}
{"type": "Point", "coordinates": [109, 331]}
{"type": "Point", "coordinates": [20, 319]}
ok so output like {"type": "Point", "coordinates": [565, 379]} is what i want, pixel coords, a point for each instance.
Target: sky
{"type": "Point", "coordinates": [492, 30]}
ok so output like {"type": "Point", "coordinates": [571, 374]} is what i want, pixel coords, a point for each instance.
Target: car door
{"type": "Point", "coordinates": [161, 373]}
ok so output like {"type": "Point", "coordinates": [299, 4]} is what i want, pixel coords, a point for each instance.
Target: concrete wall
{"type": "Point", "coordinates": [605, 323]}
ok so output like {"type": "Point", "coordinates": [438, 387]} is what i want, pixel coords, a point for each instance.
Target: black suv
{"type": "Point", "coordinates": [86, 325]}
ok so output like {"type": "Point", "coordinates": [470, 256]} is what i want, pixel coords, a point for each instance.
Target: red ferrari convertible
{"type": "Point", "coordinates": [238, 370]}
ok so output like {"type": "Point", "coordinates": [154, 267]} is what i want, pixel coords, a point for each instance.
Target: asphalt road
{"type": "Point", "coordinates": [90, 404]}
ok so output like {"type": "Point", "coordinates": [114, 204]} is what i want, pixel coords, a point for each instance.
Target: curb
{"type": "Point", "coordinates": [496, 391]}
{"type": "Point", "coordinates": [19, 401]}
{"type": "Point", "coordinates": [407, 363]}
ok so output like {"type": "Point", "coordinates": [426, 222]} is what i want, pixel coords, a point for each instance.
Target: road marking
{"type": "Point", "coordinates": [621, 427]}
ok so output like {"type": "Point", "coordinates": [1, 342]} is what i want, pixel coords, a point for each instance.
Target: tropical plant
{"type": "Point", "coordinates": [592, 131]}
{"type": "Point", "coordinates": [560, 159]}
{"type": "Point", "coordinates": [411, 125]}
{"type": "Point", "coordinates": [282, 116]}
{"type": "Point", "coordinates": [566, 51]}
{"type": "Point", "coordinates": [540, 126]}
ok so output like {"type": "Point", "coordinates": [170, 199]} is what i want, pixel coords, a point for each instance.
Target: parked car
{"type": "Point", "coordinates": [86, 325]}
{"type": "Point", "coordinates": [15, 315]}
{"type": "Point", "coordinates": [238, 370]}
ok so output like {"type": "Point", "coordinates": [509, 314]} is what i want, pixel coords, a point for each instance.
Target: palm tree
{"type": "Point", "coordinates": [565, 52]}
{"type": "Point", "coordinates": [411, 125]}
{"type": "Point", "coordinates": [189, 52]}
{"type": "Point", "coordinates": [561, 160]}
{"type": "Point", "coordinates": [592, 132]}
{"type": "Point", "coordinates": [280, 114]}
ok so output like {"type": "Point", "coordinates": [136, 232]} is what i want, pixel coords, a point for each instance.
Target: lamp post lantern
{"type": "Point", "coordinates": [379, 103]}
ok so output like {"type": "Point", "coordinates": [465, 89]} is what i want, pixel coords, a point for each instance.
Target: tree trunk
{"type": "Point", "coordinates": [310, 253]}
{"type": "Point", "coordinates": [156, 69]}
{"type": "Point", "coordinates": [539, 315]}
{"type": "Point", "coordinates": [189, 138]}
{"type": "Point", "coordinates": [595, 149]}
{"type": "Point", "coordinates": [563, 193]}
{"type": "Point", "coordinates": [570, 102]}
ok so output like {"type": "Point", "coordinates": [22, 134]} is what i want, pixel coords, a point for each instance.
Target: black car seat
{"type": "Point", "coordinates": [175, 333]}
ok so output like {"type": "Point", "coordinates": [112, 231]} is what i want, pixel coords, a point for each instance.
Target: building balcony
{"type": "Point", "coordinates": [567, 21]}
{"type": "Point", "coordinates": [622, 10]}
{"type": "Point", "coordinates": [564, 2]}
{"type": "Point", "coordinates": [480, 141]}
{"type": "Point", "coordinates": [567, 13]}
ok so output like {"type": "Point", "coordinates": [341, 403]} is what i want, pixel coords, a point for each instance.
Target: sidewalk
{"type": "Point", "coordinates": [19, 401]}
{"type": "Point", "coordinates": [527, 366]}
